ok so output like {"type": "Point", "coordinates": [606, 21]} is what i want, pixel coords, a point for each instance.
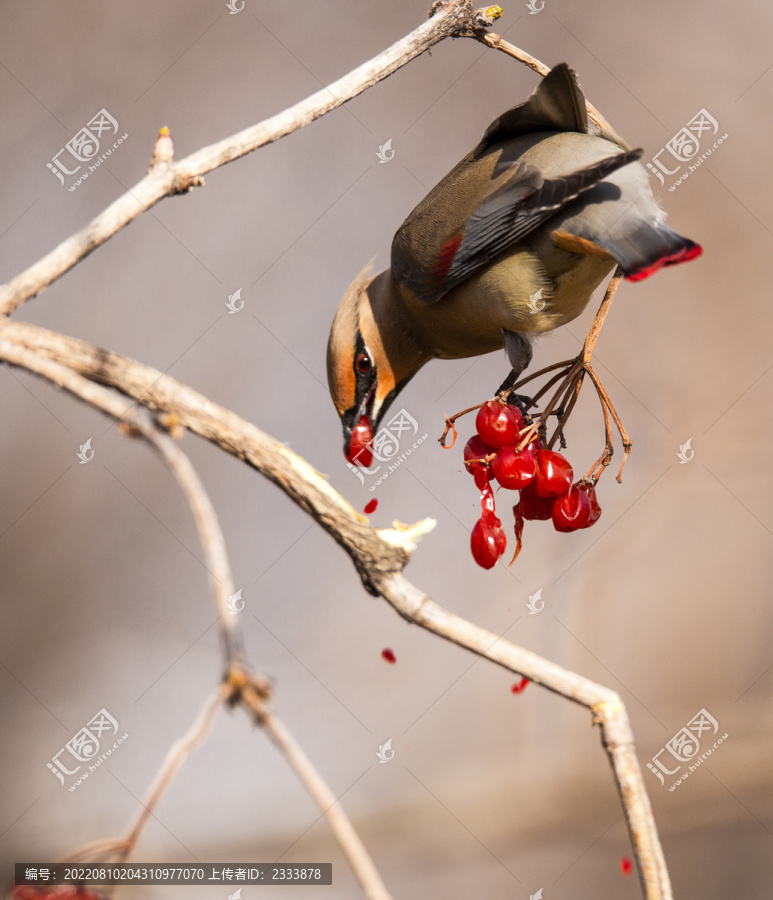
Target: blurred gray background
{"type": "Point", "coordinates": [105, 599]}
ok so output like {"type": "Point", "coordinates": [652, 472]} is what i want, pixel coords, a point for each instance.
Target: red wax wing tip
{"type": "Point", "coordinates": [690, 251]}
{"type": "Point", "coordinates": [371, 507]}
{"type": "Point", "coordinates": [446, 258]}
{"type": "Point", "coordinates": [626, 866]}
{"type": "Point", "coordinates": [519, 686]}
{"type": "Point", "coordinates": [389, 655]}
{"type": "Point", "coordinates": [359, 451]}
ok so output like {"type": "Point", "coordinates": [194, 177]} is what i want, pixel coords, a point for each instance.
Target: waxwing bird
{"type": "Point", "coordinates": [511, 243]}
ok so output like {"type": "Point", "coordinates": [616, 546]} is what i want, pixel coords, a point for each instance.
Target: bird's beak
{"type": "Point", "coordinates": [358, 430]}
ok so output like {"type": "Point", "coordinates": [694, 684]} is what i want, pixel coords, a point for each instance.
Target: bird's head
{"type": "Point", "coordinates": [367, 362]}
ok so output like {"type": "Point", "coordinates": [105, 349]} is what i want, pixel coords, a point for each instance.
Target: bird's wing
{"type": "Point", "coordinates": [437, 247]}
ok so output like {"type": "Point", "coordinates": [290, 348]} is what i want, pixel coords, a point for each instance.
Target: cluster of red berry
{"type": "Point", "coordinates": [543, 477]}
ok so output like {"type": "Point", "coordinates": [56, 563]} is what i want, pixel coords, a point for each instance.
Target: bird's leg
{"type": "Point", "coordinates": [567, 379]}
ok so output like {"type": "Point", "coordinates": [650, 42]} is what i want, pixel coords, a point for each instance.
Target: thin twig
{"type": "Point", "coordinates": [210, 533]}
{"type": "Point", "coordinates": [239, 685]}
{"type": "Point", "coordinates": [341, 826]}
{"type": "Point", "coordinates": [497, 42]}
{"type": "Point", "coordinates": [175, 757]}
{"type": "Point", "coordinates": [453, 18]}
{"type": "Point", "coordinates": [379, 556]}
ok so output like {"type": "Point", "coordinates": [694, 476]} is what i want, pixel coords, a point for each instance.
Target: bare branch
{"type": "Point", "coordinates": [326, 800]}
{"type": "Point", "coordinates": [162, 393]}
{"type": "Point", "coordinates": [378, 554]}
{"type": "Point", "coordinates": [175, 757]}
{"type": "Point", "coordinates": [239, 686]}
{"type": "Point", "coordinates": [137, 420]}
{"type": "Point", "coordinates": [497, 42]}
{"type": "Point", "coordinates": [450, 18]}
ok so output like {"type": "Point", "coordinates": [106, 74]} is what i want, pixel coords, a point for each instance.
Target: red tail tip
{"type": "Point", "coordinates": [688, 252]}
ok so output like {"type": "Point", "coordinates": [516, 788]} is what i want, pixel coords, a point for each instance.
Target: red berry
{"type": "Point", "coordinates": [532, 506]}
{"type": "Point", "coordinates": [371, 507]}
{"type": "Point", "coordinates": [513, 470]}
{"type": "Point", "coordinates": [487, 500]}
{"type": "Point", "coordinates": [519, 686]}
{"type": "Point", "coordinates": [554, 474]}
{"type": "Point", "coordinates": [595, 509]}
{"type": "Point", "coordinates": [359, 451]}
{"type": "Point", "coordinates": [626, 866]}
{"type": "Point", "coordinates": [474, 451]}
{"type": "Point", "coordinates": [499, 424]}
{"type": "Point", "coordinates": [389, 655]}
{"type": "Point", "coordinates": [571, 510]}
{"type": "Point", "coordinates": [487, 541]}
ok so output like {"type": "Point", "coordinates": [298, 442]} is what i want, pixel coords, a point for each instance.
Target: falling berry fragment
{"type": "Point", "coordinates": [358, 451]}
{"type": "Point", "coordinates": [499, 424]}
{"type": "Point", "coordinates": [519, 520]}
{"type": "Point", "coordinates": [519, 686]}
{"type": "Point", "coordinates": [389, 655]}
{"type": "Point", "coordinates": [371, 507]}
{"type": "Point", "coordinates": [626, 866]}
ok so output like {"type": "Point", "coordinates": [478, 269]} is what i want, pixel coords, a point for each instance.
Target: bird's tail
{"type": "Point", "coordinates": [640, 250]}
{"type": "Point", "coordinates": [649, 247]}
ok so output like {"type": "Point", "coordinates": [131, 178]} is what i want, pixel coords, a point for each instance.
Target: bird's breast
{"type": "Point", "coordinates": [524, 291]}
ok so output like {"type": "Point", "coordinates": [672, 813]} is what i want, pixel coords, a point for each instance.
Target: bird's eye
{"type": "Point", "coordinates": [363, 364]}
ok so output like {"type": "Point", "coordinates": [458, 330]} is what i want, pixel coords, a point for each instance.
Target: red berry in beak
{"type": "Point", "coordinates": [359, 451]}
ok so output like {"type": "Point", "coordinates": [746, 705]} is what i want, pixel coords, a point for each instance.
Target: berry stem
{"type": "Point", "coordinates": [569, 375]}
